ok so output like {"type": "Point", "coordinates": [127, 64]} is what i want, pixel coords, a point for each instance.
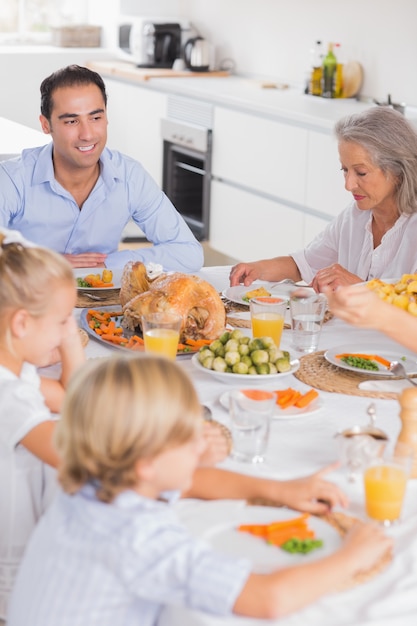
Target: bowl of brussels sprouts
{"type": "Point", "coordinates": [234, 358]}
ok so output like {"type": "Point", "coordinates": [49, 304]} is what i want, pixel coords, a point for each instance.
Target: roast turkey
{"type": "Point", "coordinates": [198, 303]}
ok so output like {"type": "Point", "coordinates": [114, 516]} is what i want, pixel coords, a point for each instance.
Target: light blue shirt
{"type": "Point", "coordinates": [118, 564]}
{"type": "Point", "coordinates": [34, 203]}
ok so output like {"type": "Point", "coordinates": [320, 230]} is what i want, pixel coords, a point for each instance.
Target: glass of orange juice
{"type": "Point", "coordinates": [267, 317]}
{"type": "Point", "coordinates": [161, 333]}
{"type": "Point", "coordinates": [385, 483]}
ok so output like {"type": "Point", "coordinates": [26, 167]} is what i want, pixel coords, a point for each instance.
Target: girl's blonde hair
{"type": "Point", "coordinates": [118, 411]}
{"type": "Point", "coordinates": [28, 275]}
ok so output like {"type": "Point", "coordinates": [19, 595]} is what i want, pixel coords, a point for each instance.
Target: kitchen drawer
{"type": "Point", "coordinates": [248, 227]}
{"type": "Point", "coordinates": [260, 153]}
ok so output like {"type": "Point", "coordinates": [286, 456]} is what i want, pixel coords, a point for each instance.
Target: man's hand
{"type": "Point", "coordinates": [87, 259]}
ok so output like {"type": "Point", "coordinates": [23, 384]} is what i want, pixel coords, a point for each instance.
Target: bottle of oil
{"type": "Point", "coordinates": [338, 81]}
{"type": "Point", "coordinates": [329, 73]}
{"type": "Point", "coordinates": [316, 69]}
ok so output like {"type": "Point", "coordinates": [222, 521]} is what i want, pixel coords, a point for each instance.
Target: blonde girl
{"type": "Point", "coordinates": [37, 296]}
{"type": "Point", "coordinates": [110, 550]}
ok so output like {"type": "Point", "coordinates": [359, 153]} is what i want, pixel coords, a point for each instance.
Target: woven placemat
{"type": "Point", "coordinates": [315, 371]}
{"type": "Point", "coordinates": [342, 523]}
{"type": "Point", "coordinates": [109, 297]}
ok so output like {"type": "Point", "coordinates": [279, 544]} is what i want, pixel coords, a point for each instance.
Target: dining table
{"type": "Point", "coordinates": [300, 445]}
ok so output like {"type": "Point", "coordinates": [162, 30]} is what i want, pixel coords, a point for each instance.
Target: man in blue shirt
{"type": "Point", "coordinates": [75, 196]}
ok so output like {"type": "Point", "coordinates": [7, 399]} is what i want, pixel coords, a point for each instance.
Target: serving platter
{"type": "Point", "coordinates": [236, 294]}
{"type": "Point", "coordinates": [279, 413]}
{"type": "Point", "coordinates": [248, 380]}
{"type": "Point", "coordinates": [84, 323]}
{"type": "Point", "coordinates": [408, 359]}
{"type": "Point", "coordinates": [82, 272]}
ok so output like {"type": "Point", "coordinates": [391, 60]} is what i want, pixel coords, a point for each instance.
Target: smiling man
{"type": "Point", "coordinates": [75, 195]}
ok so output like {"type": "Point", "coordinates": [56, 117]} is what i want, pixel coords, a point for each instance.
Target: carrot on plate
{"type": "Point", "coordinates": [306, 399]}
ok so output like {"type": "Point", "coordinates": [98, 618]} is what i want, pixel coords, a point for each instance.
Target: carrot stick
{"type": "Point", "coordinates": [306, 399]}
{"type": "Point", "coordinates": [115, 339]}
{"type": "Point", "coordinates": [197, 343]}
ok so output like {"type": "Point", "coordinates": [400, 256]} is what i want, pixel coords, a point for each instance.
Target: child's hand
{"type": "Point", "coordinates": [365, 544]}
{"type": "Point", "coordinates": [70, 339]}
{"type": "Point", "coordinates": [312, 494]}
{"type": "Point", "coordinates": [217, 445]}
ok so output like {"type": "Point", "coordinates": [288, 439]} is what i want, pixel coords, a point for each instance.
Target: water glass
{"type": "Point", "coordinates": [250, 412]}
{"type": "Point", "coordinates": [161, 333]}
{"type": "Point", "coordinates": [267, 317]}
{"type": "Point", "coordinates": [385, 483]}
{"type": "Point", "coordinates": [307, 313]}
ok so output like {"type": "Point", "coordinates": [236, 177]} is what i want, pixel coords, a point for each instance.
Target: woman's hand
{"type": "Point", "coordinates": [312, 494]}
{"type": "Point", "coordinates": [333, 277]}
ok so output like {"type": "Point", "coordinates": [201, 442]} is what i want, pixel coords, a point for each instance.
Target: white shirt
{"type": "Point", "coordinates": [90, 562]}
{"type": "Point", "coordinates": [348, 240]}
{"type": "Point", "coordinates": [26, 484]}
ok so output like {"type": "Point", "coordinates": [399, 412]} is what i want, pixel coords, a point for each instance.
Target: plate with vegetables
{"type": "Point", "coordinates": [242, 295]}
{"type": "Point", "coordinates": [369, 359]}
{"type": "Point", "coordinates": [273, 537]}
{"type": "Point", "coordinates": [104, 324]}
{"type": "Point", "coordinates": [97, 278]}
{"type": "Point", "coordinates": [309, 402]}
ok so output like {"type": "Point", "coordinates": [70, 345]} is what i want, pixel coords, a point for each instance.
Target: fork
{"type": "Point", "coordinates": [284, 281]}
{"type": "Point", "coordinates": [93, 296]}
{"type": "Point", "coordinates": [398, 369]}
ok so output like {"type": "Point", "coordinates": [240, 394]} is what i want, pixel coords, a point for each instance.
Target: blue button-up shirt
{"type": "Point", "coordinates": [34, 203]}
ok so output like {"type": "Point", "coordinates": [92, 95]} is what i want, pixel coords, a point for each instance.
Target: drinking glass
{"type": "Point", "coordinates": [385, 483]}
{"type": "Point", "coordinates": [267, 317]}
{"type": "Point", "coordinates": [250, 412]}
{"type": "Point", "coordinates": [307, 313]}
{"type": "Point", "coordinates": [161, 333]}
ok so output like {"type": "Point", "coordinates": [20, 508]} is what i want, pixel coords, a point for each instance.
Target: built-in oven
{"type": "Point", "coordinates": [186, 172]}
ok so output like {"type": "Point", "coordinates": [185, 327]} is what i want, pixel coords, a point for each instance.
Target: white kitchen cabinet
{"type": "Point", "coordinates": [135, 115]}
{"type": "Point", "coordinates": [260, 153]}
{"type": "Point", "coordinates": [249, 227]}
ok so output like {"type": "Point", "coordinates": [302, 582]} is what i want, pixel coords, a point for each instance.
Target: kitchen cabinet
{"type": "Point", "coordinates": [135, 123]}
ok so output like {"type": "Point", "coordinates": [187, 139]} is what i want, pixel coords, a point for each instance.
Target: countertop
{"type": "Point", "coordinates": [282, 103]}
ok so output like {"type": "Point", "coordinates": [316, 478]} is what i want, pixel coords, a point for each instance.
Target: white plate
{"type": "Point", "coordinates": [225, 538]}
{"type": "Point", "coordinates": [408, 359]}
{"type": "Point", "coordinates": [81, 272]}
{"type": "Point", "coordinates": [236, 379]}
{"type": "Point", "coordinates": [236, 294]}
{"type": "Point", "coordinates": [279, 413]}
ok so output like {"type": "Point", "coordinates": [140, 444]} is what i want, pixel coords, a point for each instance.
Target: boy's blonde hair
{"type": "Point", "coordinates": [28, 275]}
{"type": "Point", "coordinates": [118, 411]}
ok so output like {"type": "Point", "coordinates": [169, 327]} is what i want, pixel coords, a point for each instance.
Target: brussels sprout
{"type": "Point", "coordinates": [262, 368]}
{"type": "Point", "coordinates": [273, 354]}
{"type": "Point", "coordinates": [237, 334]}
{"type": "Point", "coordinates": [229, 370]}
{"type": "Point", "coordinates": [244, 340]}
{"type": "Point", "coordinates": [246, 359]}
{"type": "Point", "coordinates": [225, 337]}
{"type": "Point", "coordinates": [219, 364]}
{"type": "Point", "coordinates": [286, 354]}
{"type": "Point", "coordinates": [204, 353]}
{"type": "Point", "coordinates": [259, 356]}
{"type": "Point", "coordinates": [240, 368]}
{"type": "Point", "coordinates": [268, 342]}
{"type": "Point", "coordinates": [232, 357]}
{"type": "Point", "coordinates": [280, 354]}
{"type": "Point", "coordinates": [252, 371]}
{"type": "Point", "coordinates": [272, 368]}
{"type": "Point", "coordinates": [208, 361]}
{"type": "Point", "coordinates": [283, 365]}
{"type": "Point", "coordinates": [231, 346]}
{"type": "Point", "coordinates": [243, 349]}
{"type": "Point", "coordinates": [215, 345]}
{"type": "Point", "coordinates": [255, 344]}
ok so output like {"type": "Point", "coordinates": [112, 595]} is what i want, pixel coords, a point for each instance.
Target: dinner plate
{"type": "Point", "coordinates": [225, 538]}
{"type": "Point", "coordinates": [408, 359]}
{"type": "Point", "coordinates": [247, 379]}
{"type": "Point", "coordinates": [237, 293]}
{"type": "Point", "coordinates": [127, 333]}
{"type": "Point", "coordinates": [279, 413]}
{"type": "Point", "coordinates": [82, 272]}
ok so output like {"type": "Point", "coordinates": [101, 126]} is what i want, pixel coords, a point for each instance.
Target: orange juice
{"type": "Point", "coordinates": [268, 325]}
{"type": "Point", "coordinates": [384, 491]}
{"type": "Point", "coordinates": [162, 341]}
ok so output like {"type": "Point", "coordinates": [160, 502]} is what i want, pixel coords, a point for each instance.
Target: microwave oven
{"type": "Point", "coordinates": [149, 42]}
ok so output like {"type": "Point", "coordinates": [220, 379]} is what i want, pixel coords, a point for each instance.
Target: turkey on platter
{"type": "Point", "coordinates": [200, 306]}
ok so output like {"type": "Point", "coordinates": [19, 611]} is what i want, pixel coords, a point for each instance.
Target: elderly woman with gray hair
{"type": "Point", "coordinates": [376, 234]}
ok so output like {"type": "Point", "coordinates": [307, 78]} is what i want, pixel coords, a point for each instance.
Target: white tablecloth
{"type": "Point", "coordinates": [299, 447]}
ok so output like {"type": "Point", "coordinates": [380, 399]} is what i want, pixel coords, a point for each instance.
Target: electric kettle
{"type": "Point", "coordinates": [197, 53]}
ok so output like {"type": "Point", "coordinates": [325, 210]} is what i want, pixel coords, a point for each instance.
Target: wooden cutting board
{"type": "Point", "coordinates": [352, 79]}
{"type": "Point", "coordinates": [130, 71]}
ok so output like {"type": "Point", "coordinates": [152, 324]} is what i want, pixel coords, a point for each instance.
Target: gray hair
{"type": "Point", "coordinates": [391, 142]}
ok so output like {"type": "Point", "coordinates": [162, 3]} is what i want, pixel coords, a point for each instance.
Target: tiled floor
{"type": "Point", "coordinates": [211, 257]}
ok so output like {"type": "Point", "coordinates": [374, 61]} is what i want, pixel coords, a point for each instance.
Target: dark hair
{"type": "Point", "coordinates": [67, 77]}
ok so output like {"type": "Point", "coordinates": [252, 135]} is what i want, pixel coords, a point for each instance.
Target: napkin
{"type": "Point", "coordinates": [393, 386]}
